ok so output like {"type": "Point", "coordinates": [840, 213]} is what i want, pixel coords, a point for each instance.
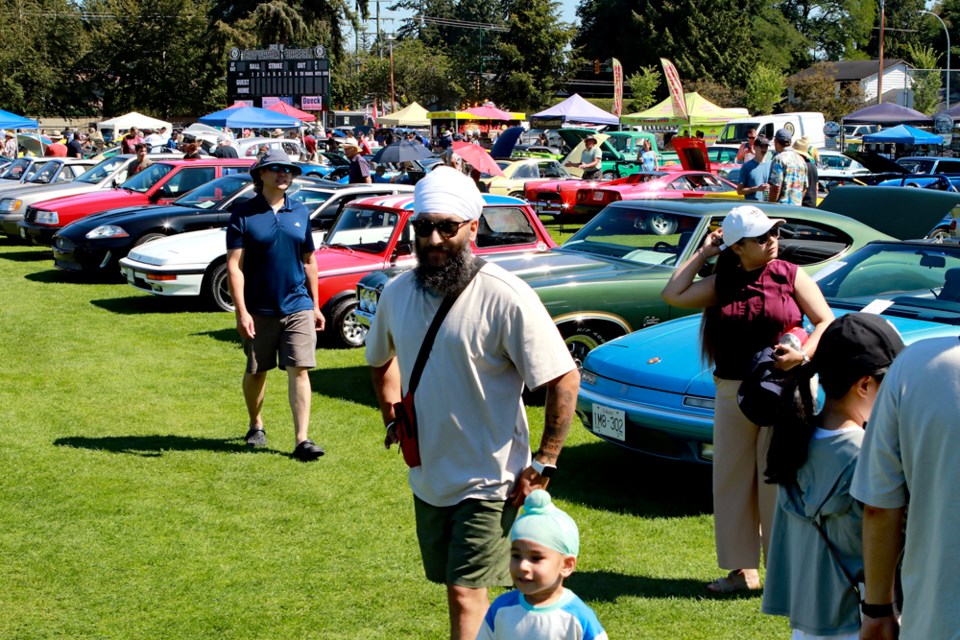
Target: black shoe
{"type": "Point", "coordinates": [256, 437]}
{"type": "Point", "coordinates": [307, 451]}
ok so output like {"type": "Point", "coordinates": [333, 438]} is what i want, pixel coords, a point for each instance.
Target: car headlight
{"type": "Point", "coordinates": [9, 204]}
{"type": "Point", "coordinates": [588, 377]}
{"type": "Point", "coordinates": [47, 217]}
{"type": "Point", "coordinates": [106, 231]}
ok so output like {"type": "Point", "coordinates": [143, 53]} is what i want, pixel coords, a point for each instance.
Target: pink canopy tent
{"type": "Point", "coordinates": [489, 113]}
{"type": "Point", "coordinates": [293, 112]}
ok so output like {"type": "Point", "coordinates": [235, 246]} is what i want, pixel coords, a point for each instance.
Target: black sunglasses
{"type": "Point", "coordinates": [278, 168]}
{"type": "Point", "coordinates": [446, 228]}
{"type": "Point", "coordinates": [765, 238]}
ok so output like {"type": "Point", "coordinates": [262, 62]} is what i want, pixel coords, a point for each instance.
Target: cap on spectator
{"type": "Point", "coordinates": [783, 136]}
{"type": "Point", "coordinates": [274, 157]}
{"type": "Point", "coordinates": [761, 141]}
{"type": "Point", "coordinates": [589, 138]}
{"type": "Point", "coordinates": [189, 138]}
{"type": "Point", "coordinates": [7, 134]}
{"type": "Point", "coordinates": [853, 346]}
{"type": "Point", "coordinates": [55, 133]}
{"type": "Point", "coordinates": [350, 142]}
{"type": "Point", "coordinates": [745, 221]}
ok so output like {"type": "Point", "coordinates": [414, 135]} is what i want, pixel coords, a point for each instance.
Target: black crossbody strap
{"type": "Point", "coordinates": [435, 328]}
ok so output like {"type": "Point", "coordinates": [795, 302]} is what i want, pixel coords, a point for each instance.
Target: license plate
{"type": "Point", "coordinates": [609, 422]}
{"type": "Point", "coordinates": [598, 195]}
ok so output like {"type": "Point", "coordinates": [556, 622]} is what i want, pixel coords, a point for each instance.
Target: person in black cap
{"type": "Point", "coordinates": [812, 574]}
{"type": "Point", "coordinates": [191, 147]}
{"type": "Point", "coordinates": [272, 274]}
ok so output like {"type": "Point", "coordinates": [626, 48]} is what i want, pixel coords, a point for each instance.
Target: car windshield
{"type": "Point", "coordinates": [209, 195]}
{"type": "Point", "coordinates": [915, 165]}
{"type": "Point", "coordinates": [363, 229]}
{"type": "Point", "coordinates": [736, 132]}
{"type": "Point", "coordinates": [99, 172]}
{"type": "Point", "coordinates": [638, 235]}
{"type": "Point", "coordinates": [16, 169]}
{"type": "Point", "coordinates": [906, 276]}
{"type": "Point", "coordinates": [147, 178]}
{"type": "Point", "coordinates": [43, 173]}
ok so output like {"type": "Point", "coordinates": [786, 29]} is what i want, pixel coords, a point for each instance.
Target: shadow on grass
{"type": "Point", "coordinates": [35, 255]}
{"type": "Point", "coordinates": [155, 446]}
{"type": "Point", "coordinates": [135, 305]}
{"type": "Point", "coordinates": [605, 586]}
{"type": "Point", "coordinates": [604, 476]}
{"type": "Point", "coordinates": [229, 336]}
{"type": "Point", "coordinates": [347, 383]}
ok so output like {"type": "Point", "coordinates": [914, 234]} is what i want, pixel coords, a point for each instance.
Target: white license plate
{"type": "Point", "coordinates": [609, 422]}
{"type": "Point", "coordinates": [598, 195]}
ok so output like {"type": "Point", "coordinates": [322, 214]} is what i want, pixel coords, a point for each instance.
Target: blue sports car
{"type": "Point", "coordinates": [651, 392]}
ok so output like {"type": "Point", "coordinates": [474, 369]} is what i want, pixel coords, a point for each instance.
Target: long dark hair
{"type": "Point", "coordinates": [727, 263]}
{"type": "Point", "coordinates": [792, 430]}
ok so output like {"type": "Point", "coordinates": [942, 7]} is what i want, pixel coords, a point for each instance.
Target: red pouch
{"type": "Point", "coordinates": [406, 421]}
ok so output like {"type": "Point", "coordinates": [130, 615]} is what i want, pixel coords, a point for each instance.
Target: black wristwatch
{"type": "Point", "coordinates": [392, 423]}
{"type": "Point", "coordinates": [876, 610]}
{"type": "Point", "coordinates": [545, 470]}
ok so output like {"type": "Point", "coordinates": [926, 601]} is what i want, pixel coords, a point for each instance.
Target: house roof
{"type": "Point", "coordinates": [850, 70]}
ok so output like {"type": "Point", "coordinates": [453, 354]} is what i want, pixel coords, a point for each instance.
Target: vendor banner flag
{"type": "Point", "coordinates": [676, 89]}
{"type": "Point", "coordinates": [617, 88]}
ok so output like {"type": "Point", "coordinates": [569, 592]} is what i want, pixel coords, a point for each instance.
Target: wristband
{"type": "Point", "coordinates": [806, 358]}
{"type": "Point", "coordinates": [545, 470]}
{"type": "Point", "coordinates": [876, 610]}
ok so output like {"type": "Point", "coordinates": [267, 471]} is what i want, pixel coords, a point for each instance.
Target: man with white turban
{"type": "Point", "coordinates": [474, 442]}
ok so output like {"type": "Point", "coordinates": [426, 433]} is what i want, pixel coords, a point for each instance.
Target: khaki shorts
{"type": "Point", "coordinates": [467, 544]}
{"type": "Point", "coordinates": [292, 338]}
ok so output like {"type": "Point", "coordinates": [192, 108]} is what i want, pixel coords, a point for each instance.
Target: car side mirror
{"type": "Point", "coordinates": [403, 248]}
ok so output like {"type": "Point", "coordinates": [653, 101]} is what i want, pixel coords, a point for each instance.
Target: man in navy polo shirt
{"type": "Point", "coordinates": [272, 276]}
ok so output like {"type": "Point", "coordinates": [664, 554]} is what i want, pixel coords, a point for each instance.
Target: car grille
{"type": "Point", "coordinates": [30, 215]}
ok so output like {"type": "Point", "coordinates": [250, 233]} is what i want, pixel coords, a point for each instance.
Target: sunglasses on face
{"type": "Point", "coordinates": [446, 228]}
{"type": "Point", "coordinates": [276, 168]}
{"type": "Point", "coordinates": [765, 238]}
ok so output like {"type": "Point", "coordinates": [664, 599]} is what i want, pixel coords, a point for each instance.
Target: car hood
{"type": "Point", "coordinates": [87, 200]}
{"type": "Point", "coordinates": [192, 247]}
{"type": "Point", "coordinates": [129, 214]}
{"type": "Point", "coordinates": [875, 162]}
{"type": "Point", "coordinates": [905, 214]}
{"type": "Point", "coordinates": [59, 190]}
{"type": "Point", "coordinates": [666, 356]}
{"type": "Point", "coordinates": [560, 267]}
{"type": "Point", "coordinates": [332, 260]}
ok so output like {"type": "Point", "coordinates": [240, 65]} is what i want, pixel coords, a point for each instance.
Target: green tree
{"type": "Point", "coordinates": [531, 63]}
{"type": "Point", "coordinates": [835, 29]}
{"type": "Point", "coordinates": [903, 23]}
{"type": "Point", "coordinates": [925, 84]}
{"type": "Point", "coordinates": [643, 88]}
{"type": "Point", "coordinates": [419, 73]}
{"type": "Point", "coordinates": [817, 91]}
{"type": "Point", "coordinates": [765, 88]}
{"type": "Point", "coordinates": [718, 93]}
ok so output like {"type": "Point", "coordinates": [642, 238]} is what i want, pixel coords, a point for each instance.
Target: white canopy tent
{"type": "Point", "coordinates": [133, 119]}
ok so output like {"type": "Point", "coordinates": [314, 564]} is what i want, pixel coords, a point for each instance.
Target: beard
{"type": "Point", "coordinates": [450, 277]}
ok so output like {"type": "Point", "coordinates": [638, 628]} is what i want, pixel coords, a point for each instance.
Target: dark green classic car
{"type": "Point", "coordinates": [606, 280]}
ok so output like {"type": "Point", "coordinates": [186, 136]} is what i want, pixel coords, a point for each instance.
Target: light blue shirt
{"type": "Point", "coordinates": [754, 174]}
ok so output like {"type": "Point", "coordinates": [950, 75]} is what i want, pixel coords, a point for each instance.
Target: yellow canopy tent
{"type": "Point", "coordinates": [701, 113]}
{"type": "Point", "coordinates": [413, 115]}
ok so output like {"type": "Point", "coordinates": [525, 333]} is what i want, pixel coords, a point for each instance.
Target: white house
{"type": "Point", "coordinates": [896, 78]}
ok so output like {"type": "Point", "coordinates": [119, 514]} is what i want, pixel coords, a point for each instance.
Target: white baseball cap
{"type": "Point", "coordinates": [746, 221]}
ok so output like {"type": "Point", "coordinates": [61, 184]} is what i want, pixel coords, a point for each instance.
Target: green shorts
{"type": "Point", "coordinates": [468, 544]}
{"type": "Point", "coordinates": [292, 338]}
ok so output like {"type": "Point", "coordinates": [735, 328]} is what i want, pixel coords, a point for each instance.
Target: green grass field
{"type": "Point", "coordinates": [131, 508]}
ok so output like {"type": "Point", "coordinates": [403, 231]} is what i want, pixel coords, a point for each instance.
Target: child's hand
{"type": "Point", "coordinates": [526, 483]}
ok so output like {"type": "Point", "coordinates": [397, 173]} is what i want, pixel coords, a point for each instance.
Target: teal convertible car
{"type": "Point", "coordinates": [651, 391]}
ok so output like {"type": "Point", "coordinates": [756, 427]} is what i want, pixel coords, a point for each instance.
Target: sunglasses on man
{"type": "Point", "coordinates": [446, 228]}
{"type": "Point", "coordinates": [279, 168]}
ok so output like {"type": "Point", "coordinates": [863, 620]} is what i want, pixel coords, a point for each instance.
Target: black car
{"type": "Point", "coordinates": [96, 243]}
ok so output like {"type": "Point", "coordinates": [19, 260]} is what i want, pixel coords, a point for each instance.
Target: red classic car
{"type": "Point", "coordinates": [578, 197]}
{"type": "Point", "coordinates": [160, 183]}
{"type": "Point", "coordinates": [375, 233]}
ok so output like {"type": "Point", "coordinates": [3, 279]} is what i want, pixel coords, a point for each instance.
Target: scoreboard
{"type": "Point", "coordinates": [301, 76]}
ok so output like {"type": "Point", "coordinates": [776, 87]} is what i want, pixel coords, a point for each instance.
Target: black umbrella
{"type": "Point", "coordinates": [401, 152]}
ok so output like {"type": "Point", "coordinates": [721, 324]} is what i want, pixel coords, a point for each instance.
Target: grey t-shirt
{"type": "Point", "coordinates": [911, 453]}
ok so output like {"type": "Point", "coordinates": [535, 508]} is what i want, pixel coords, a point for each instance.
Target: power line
{"type": "Point", "coordinates": [463, 24]}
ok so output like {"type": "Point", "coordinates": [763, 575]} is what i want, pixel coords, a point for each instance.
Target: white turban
{"type": "Point", "coordinates": [446, 190]}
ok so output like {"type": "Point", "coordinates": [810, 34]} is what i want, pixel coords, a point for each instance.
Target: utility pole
{"type": "Point", "coordinates": [880, 73]}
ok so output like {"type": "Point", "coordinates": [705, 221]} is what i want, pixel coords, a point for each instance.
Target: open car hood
{"type": "Point", "coordinates": [905, 214]}
{"type": "Point", "coordinates": [574, 156]}
{"type": "Point", "coordinates": [875, 162]}
{"type": "Point", "coordinates": [692, 153]}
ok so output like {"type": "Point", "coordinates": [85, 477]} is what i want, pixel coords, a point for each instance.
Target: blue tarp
{"type": "Point", "coordinates": [903, 134]}
{"type": "Point", "coordinates": [13, 121]}
{"type": "Point", "coordinates": [576, 109]}
{"type": "Point", "coordinates": [250, 117]}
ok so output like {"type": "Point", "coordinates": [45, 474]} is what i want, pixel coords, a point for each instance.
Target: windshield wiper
{"type": "Point", "coordinates": [339, 245]}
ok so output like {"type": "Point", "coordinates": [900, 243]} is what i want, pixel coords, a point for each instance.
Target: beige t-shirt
{"type": "Point", "coordinates": [474, 437]}
{"type": "Point", "coordinates": [911, 453]}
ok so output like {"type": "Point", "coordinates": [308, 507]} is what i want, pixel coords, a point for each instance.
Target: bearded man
{"type": "Point", "coordinates": [474, 440]}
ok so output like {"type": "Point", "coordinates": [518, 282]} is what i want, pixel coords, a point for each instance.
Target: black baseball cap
{"type": "Point", "coordinates": [761, 141]}
{"type": "Point", "coordinates": [189, 138]}
{"type": "Point", "coordinates": [853, 346]}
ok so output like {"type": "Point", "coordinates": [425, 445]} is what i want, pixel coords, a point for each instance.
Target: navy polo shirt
{"type": "Point", "coordinates": [273, 244]}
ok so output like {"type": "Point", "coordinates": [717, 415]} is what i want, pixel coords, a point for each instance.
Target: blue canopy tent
{"type": "Point", "coordinates": [13, 121]}
{"type": "Point", "coordinates": [903, 134]}
{"type": "Point", "coordinates": [573, 109]}
{"type": "Point", "coordinates": [249, 117]}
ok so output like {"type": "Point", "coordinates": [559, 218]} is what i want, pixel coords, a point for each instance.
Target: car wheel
{"type": "Point", "coordinates": [581, 341]}
{"type": "Point", "coordinates": [518, 194]}
{"type": "Point", "coordinates": [348, 332]}
{"type": "Point", "coordinates": [661, 225]}
{"type": "Point", "coordinates": [216, 288]}
{"type": "Point", "coordinates": [148, 237]}
{"type": "Point", "coordinates": [940, 233]}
